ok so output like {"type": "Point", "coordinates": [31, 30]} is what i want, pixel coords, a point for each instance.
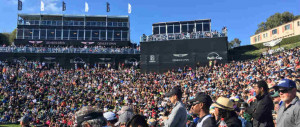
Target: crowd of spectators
{"type": "Point", "coordinates": [55, 96]}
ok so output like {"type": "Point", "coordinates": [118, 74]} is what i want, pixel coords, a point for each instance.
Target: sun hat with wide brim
{"type": "Point", "coordinates": [224, 103]}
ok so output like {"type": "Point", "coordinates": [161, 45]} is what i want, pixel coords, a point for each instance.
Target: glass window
{"type": "Point", "coordinates": [99, 24]}
{"type": "Point", "coordinates": [255, 39]}
{"type": "Point", "coordinates": [73, 34]}
{"type": "Point", "coordinates": [71, 23]}
{"type": "Point", "coordinates": [95, 35]}
{"type": "Point", "coordinates": [117, 35]}
{"type": "Point", "coordinates": [66, 35]}
{"type": "Point", "coordinates": [93, 23]}
{"type": "Point", "coordinates": [66, 23]}
{"type": "Point", "coordinates": [31, 22]}
{"type": "Point", "coordinates": [88, 35]}
{"type": "Point", "coordinates": [298, 23]}
{"type": "Point", "coordinates": [76, 23]}
{"type": "Point", "coordinates": [88, 23]}
{"type": "Point", "coordinates": [109, 35]}
{"type": "Point", "coordinates": [81, 23]}
{"type": "Point", "coordinates": [80, 34]}
{"type": "Point", "coordinates": [37, 22]}
{"type": "Point", "coordinates": [176, 29]}
{"type": "Point", "coordinates": [274, 31]}
{"type": "Point", "coordinates": [170, 28]}
{"type": "Point", "coordinates": [43, 34]}
{"type": "Point", "coordinates": [50, 34]}
{"type": "Point", "coordinates": [155, 30]}
{"type": "Point", "coordinates": [198, 27]}
{"type": "Point", "coordinates": [28, 33]}
{"type": "Point", "coordinates": [58, 34]}
{"type": "Point", "coordinates": [53, 23]}
{"type": "Point", "coordinates": [109, 24]}
{"type": "Point", "coordinates": [258, 38]}
{"type": "Point", "coordinates": [103, 23]}
{"type": "Point", "coordinates": [266, 34]}
{"type": "Point", "coordinates": [36, 34]}
{"type": "Point", "coordinates": [49, 22]}
{"type": "Point", "coordinates": [103, 35]}
{"type": "Point", "coordinates": [125, 36]}
{"type": "Point", "coordinates": [184, 28]}
{"type": "Point", "coordinates": [124, 24]}
{"type": "Point", "coordinates": [20, 34]}
{"type": "Point", "coordinates": [206, 27]}
{"type": "Point", "coordinates": [115, 24]}
{"type": "Point", "coordinates": [120, 24]}
{"type": "Point", "coordinates": [287, 27]}
{"type": "Point", "coordinates": [59, 23]}
{"type": "Point", "coordinates": [44, 22]}
{"type": "Point", "coordinates": [162, 29]}
{"type": "Point", "coordinates": [191, 28]}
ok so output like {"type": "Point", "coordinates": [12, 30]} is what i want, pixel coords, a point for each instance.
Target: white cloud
{"type": "Point", "coordinates": [52, 5]}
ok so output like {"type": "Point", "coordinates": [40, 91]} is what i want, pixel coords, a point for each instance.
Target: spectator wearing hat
{"type": "Point", "coordinates": [89, 117]}
{"type": "Point", "coordinates": [224, 109]}
{"type": "Point", "coordinates": [201, 104]}
{"type": "Point", "coordinates": [289, 112]}
{"type": "Point", "coordinates": [24, 121]}
{"type": "Point", "coordinates": [137, 121]}
{"type": "Point", "coordinates": [261, 110]}
{"type": "Point", "coordinates": [110, 118]}
{"type": "Point", "coordinates": [178, 115]}
{"type": "Point", "coordinates": [125, 115]}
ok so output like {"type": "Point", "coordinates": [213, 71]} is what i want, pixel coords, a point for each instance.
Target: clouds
{"type": "Point", "coordinates": [52, 5]}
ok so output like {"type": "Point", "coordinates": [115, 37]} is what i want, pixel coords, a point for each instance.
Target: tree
{"type": "Point", "coordinates": [12, 36]}
{"type": "Point", "coordinates": [276, 20]}
{"type": "Point", "coordinates": [234, 43]}
{"type": "Point", "coordinates": [4, 38]}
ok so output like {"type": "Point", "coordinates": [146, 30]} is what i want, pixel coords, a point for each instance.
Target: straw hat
{"type": "Point", "coordinates": [223, 103]}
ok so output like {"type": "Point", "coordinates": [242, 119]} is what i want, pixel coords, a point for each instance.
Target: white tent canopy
{"type": "Point", "coordinates": [272, 43]}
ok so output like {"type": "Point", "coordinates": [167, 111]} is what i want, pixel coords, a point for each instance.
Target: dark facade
{"type": "Point", "coordinates": [73, 30]}
{"type": "Point", "coordinates": [167, 55]}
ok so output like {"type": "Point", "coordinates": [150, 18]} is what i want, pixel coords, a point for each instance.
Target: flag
{"type": "Point", "coordinates": [107, 7]}
{"type": "Point", "coordinates": [63, 6]}
{"type": "Point", "coordinates": [42, 6]}
{"type": "Point", "coordinates": [19, 5]}
{"type": "Point", "coordinates": [86, 7]}
{"type": "Point", "coordinates": [129, 8]}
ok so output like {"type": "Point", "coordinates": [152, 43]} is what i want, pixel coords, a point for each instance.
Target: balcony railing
{"type": "Point", "coordinates": [182, 36]}
{"type": "Point", "coordinates": [73, 23]}
{"type": "Point", "coordinates": [69, 50]}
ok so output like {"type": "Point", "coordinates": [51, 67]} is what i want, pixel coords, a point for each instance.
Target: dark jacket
{"type": "Point", "coordinates": [233, 122]}
{"type": "Point", "coordinates": [261, 111]}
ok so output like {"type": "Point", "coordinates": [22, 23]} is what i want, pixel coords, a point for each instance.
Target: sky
{"type": "Point", "coordinates": [241, 17]}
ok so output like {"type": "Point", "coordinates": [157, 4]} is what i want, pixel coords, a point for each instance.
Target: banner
{"type": "Point", "coordinates": [129, 8]}
{"type": "Point", "coordinates": [19, 5]}
{"type": "Point", "coordinates": [86, 7]}
{"type": "Point", "coordinates": [42, 6]}
{"type": "Point", "coordinates": [63, 6]}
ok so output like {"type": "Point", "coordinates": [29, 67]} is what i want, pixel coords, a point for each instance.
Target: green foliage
{"type": "Point", "coordinates": [4, 38]}
{"type": "Point", "coordinates": [276, 20]}
{"type": "Point", "coordinates": [12, 36]}
{"type": "Point", "coordinates": [234, 43]}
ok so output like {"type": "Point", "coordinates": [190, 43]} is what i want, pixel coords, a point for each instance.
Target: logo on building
{"type": "Point", "coordinates": [180, 55]}
{"type": "Point", "coordinates": [214, 56]}
{"type": "Point", "coordinates": [152, 59]}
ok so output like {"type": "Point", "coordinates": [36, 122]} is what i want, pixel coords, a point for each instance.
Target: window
{"type": "Point", "coordinates": [176, 29]}
{"type": "Point", "coordinates": [81, 35]}
{"type": "Point", "coordinates": [20, 34]}
{"type": "Point", "coordinates": [191, 28]}
{"type": "Point", "coordinates": [36, 34]}
{"type": "Point", "coordinates": [87, 34]}
{"type": "Point", "coordinates": [184, 28]}
{"type": "Point", "coordinates": [206, 27]}
{"type": "Point", "coordinates": [162, 30]}
{"type": "Point", "coordinates": [198, 27]}
{"type": "Point", "coordinates": [170, 29]}
{"type": "Point", "coordinates": [43, 34]}
{"type": "Point", "coordinates": [125, 35]}
{"type": "Point", "coordinates": [66, 35]}
{"type": "Point", "coordinates": [109, 35]}
{"type": "Point", "coordinates": [258, 38]}
{"type": "Point", "coordinates": [255, 39]}
{"type": "Point", "coordinates": [274, 31]}
{"type": "Point", "coordinates": [73, 34]}
{"type": "Point", "coordinates": [287, 27]}
{"type": "Point", "coordinates": [298, 23]}
{"type": "Point", "coordinates": [28, 34]}
{"type": "Point", "coordinates": [95, 35]}
{"type": "Point", "coordinates": [50, 34]}
{"type": "Point", "coordinates": [117, 35]}
{"type": "Point", "coordinates": [58, 34]}
{"type": "Point", "coordinates": [156, 30]}
{"type": "Point", "coordinates": [266, 34]}
{"type": "Point", "coordinates": [103, 35]}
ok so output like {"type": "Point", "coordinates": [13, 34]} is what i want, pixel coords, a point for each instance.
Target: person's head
{"type": "Point", "coordinates": [111, 118]}
{"type": "Point", "coordinates": [137, 121]}
{"type": "Point", "coordinates": [287, 90]}
{"type": "Point", "coordinates": [24, 121]}
{"type": "Point", "coordinates": [175, 94]}
{"type": "Point", "coordinates": [261, 87]}
{"type": "Point", "coordinates": [223, 107]}
{"type": "Point", "coordinates": [276, 97]}
{"type": "Point", "coordinates": [89, 117]}
{"type": "Point", "coordinates": [202, 101]}
{"type": "Point", "coordinates": [124, 118]}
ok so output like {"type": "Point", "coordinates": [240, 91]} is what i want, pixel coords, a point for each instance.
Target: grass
{"type": "Point", "coordinates": [10, 125]}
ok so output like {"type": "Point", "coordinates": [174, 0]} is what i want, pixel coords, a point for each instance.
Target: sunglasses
{"type": "Point", "coordinates": [284, 90]}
